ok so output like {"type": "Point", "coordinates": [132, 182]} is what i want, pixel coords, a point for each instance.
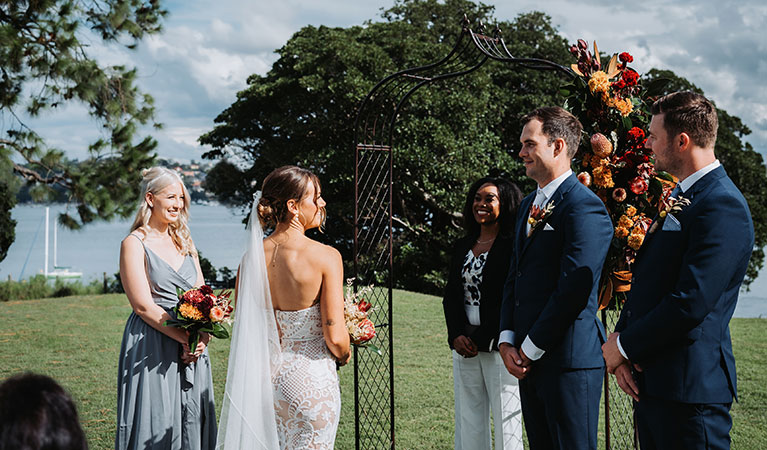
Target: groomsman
{"type": "Point", "coordinates": [674, 328]}
{"type": "Point", "coordinates": [550, 336]}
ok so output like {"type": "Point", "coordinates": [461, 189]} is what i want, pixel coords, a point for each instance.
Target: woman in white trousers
{"type": "Point", "coordinates": [472, 304]}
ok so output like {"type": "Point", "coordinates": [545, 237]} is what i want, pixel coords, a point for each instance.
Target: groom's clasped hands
{"type": "Point", "coordinates": [515, 360]}
{"type": "Point", "coordinates": [620, 366]}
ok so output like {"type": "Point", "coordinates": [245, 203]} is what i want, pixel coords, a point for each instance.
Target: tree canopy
{"type": "Point", "coordinates": [44, 64]}
{"type": "Point", "coordinates": [302, 112]}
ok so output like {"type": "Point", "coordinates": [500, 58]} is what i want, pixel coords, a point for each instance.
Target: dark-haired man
{"type": "Point", "coordinates": [674, 328]}
{"type": "Point", "coordinates": [550, 335]}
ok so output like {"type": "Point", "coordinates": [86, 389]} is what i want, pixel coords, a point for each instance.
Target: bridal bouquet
{"type": "Point", "coordinates": [198, 309]}
{"type": "Point", "coordinates": [361, 328]}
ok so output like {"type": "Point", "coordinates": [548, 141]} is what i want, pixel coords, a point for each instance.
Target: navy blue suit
{"type": "Point", "coordinates": [551, 296]}
{"type": "Point", "coordinates": [675, 323]}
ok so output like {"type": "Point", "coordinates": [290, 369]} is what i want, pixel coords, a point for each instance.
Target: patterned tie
{"type": "Point", "coordinates": [539, 200]}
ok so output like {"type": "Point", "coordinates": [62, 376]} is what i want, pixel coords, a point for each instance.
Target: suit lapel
{"type": "Point", "coordinates": [696, 188]}
{"type": "Point", "coordinates": [556, 199]}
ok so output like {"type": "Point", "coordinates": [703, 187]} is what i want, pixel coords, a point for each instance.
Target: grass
{"type": "Point", "coordinates": [76, 340]}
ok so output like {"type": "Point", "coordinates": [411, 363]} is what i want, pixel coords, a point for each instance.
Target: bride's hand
{"type": "Point", "coordinates": [342, 361]}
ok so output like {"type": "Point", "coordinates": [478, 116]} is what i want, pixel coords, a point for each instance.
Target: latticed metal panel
{"type": "Point", "coordinates": [620, 428]}
{"type": "Point", "coordinates": [373, 373]}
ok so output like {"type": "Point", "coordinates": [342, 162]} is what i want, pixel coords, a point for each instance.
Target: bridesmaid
{"type": "Point", "coordinates": [164, 389]}
{"type": "Point", "coordinates": [472, 304]}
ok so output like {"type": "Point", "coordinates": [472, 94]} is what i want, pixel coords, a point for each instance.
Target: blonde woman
{"type": "Point", "coordinates": [165, 389]}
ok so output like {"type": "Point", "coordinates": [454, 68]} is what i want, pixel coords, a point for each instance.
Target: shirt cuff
{"type": "Point", "coordinates": [507, 337]}
{"type": "Point", "coordinates": [532, 352]}
{"type": "Point", "coordinates": [620, 347]}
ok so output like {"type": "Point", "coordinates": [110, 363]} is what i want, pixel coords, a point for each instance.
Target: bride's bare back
{"type": "Point", "coordinates": [297, 267]}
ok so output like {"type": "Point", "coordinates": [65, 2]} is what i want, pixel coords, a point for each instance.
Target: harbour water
{"type": "Point", "coordinates": [218, 232]}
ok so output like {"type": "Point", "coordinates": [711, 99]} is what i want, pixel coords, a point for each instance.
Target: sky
{"type": "Point", "coordinates": [195, 68]}
{"type": "Point", "coordinates": [204, 55]}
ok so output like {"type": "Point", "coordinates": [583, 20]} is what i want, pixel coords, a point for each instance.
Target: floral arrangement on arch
{"type": "Point", "coordinates": [613, 106]}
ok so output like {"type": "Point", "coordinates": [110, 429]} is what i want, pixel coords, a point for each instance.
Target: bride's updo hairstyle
{"type": "Point", "coordinates": [283, 184]}
{"type": "Point", "coordinates": [155, 180]}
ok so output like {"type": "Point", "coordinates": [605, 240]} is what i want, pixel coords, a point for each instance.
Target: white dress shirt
{"type": "Point", "coordinates": [684, 186]}
{"type": "Point", "coordinates": [542, 196]}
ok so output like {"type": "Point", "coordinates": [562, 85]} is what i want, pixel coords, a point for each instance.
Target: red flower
{"type": "Point", "coordinates": [626, 57]}
{"type": "Point", "coordinates": [363, 306]}
{"type": "Point", "coordinates": [636, 134]}
{"type": "Point", "coordinates": [631, 77]}
{"type": "Point", "coordinates": [205, 289]}
{"type": "Point", "coordinates": [639, 185]}
{"type": "Point", "coordinates": [620, 84]}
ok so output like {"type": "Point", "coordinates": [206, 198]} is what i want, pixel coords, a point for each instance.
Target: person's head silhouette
{"type": "Point", "coordinates": [36, 413]}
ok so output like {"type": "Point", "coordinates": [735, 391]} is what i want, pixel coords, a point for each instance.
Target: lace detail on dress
{"type": "Point", "coordinates": [307, 399]}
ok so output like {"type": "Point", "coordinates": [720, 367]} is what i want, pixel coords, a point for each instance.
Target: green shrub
{"type": "Point", "coordinates": [37, 287]}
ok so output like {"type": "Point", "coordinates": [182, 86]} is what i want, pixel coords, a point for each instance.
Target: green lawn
{"type": "Point", "coordinates": [77, 339]}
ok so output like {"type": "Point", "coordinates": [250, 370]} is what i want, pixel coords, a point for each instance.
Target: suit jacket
{"type": "Point", "coordinates": [491, 292]}
{"type": "Point", "coordinates": [687, 275]}
{"type": "Point", "coordinates": [551, 289]}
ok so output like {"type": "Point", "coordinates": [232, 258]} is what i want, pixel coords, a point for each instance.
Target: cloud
{"type": "Point", "coordinates": [205, 54]}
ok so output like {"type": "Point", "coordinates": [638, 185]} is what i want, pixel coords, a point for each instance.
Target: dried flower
{"type": "Point", "coordinates": [639, 185]}
{"type": "Point", "coordinates": [621, 232]}
{"type": "Point", "coordinates": [625, 222]}
{"type": "Point", "coordinates": [635, 240]}
{"type": "Point", "coordinates": [619, 194]}
{"type": "Point", "coordinates": [603, 177]}
{"type": "Point", "coordinates": [584, 178]}
{"type": "Point", "coordinates": [600, 145]}
{"type": "Point", "coordinates": [599, 82]}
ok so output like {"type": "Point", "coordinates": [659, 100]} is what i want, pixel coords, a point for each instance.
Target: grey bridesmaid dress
{"type": "Point", "coordinates": [161, 402]}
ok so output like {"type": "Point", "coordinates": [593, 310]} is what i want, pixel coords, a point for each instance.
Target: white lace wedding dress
{"type": "Point", "coordinates": [281, 385]}
{"type": "Point", "coordinates": [307, 399]}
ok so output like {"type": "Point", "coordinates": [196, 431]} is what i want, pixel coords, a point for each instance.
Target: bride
{"type": "Point", "coordinates": [282, 387]}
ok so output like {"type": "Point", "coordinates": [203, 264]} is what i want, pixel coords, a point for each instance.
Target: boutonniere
{"type": "Point", "coordinates": [671, 206]}
{"type": "Point", "coordinates": [538, 215]}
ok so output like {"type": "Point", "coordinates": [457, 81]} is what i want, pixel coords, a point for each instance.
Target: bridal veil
{"type": "Point", "coordinates": [247, 414]}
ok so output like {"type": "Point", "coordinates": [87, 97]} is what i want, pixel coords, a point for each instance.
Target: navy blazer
{"type": "Point", "coordinates": [687, 275]}
{"type": "Point", "coordinates": [551, 289]}
{"type": "Point", "coordinates": [491, 292]}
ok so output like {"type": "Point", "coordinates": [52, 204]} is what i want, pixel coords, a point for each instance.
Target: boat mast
{"type": "Point", "coordinates": [46, 242]}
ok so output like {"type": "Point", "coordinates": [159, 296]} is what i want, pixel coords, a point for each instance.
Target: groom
{"type": "Point", "coordinates": [674, 327]}
{"type": "Point", "coordinates": [550, 336]}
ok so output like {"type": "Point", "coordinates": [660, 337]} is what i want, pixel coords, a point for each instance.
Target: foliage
{"type": "Point", "coordinates": [7, 224]}
{"type": "Point", "coordinates": [45, 65]}
{"type": "Point", "coordinates": [208, 271]}
{"type": "Point", "coordinates": [302, 112]}
{"type": "Point", "coordinates": [37, 287]}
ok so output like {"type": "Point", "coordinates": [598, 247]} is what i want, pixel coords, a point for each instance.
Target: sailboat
{"type": "Point", "coordinates": [58, 271]}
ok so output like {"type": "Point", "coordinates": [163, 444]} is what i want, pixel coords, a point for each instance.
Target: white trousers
{"type": "Point", "coordinates": [482, 384]}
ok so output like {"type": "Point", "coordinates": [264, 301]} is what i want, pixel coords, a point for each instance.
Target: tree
{"type": "Point", "coordinates": [302, 112]}
{"type": "Point", "coordinates": [44, 66]}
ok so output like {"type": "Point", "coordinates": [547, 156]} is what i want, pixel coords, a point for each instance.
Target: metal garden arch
{"type": "Point", "coordinates": [374, 224]}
